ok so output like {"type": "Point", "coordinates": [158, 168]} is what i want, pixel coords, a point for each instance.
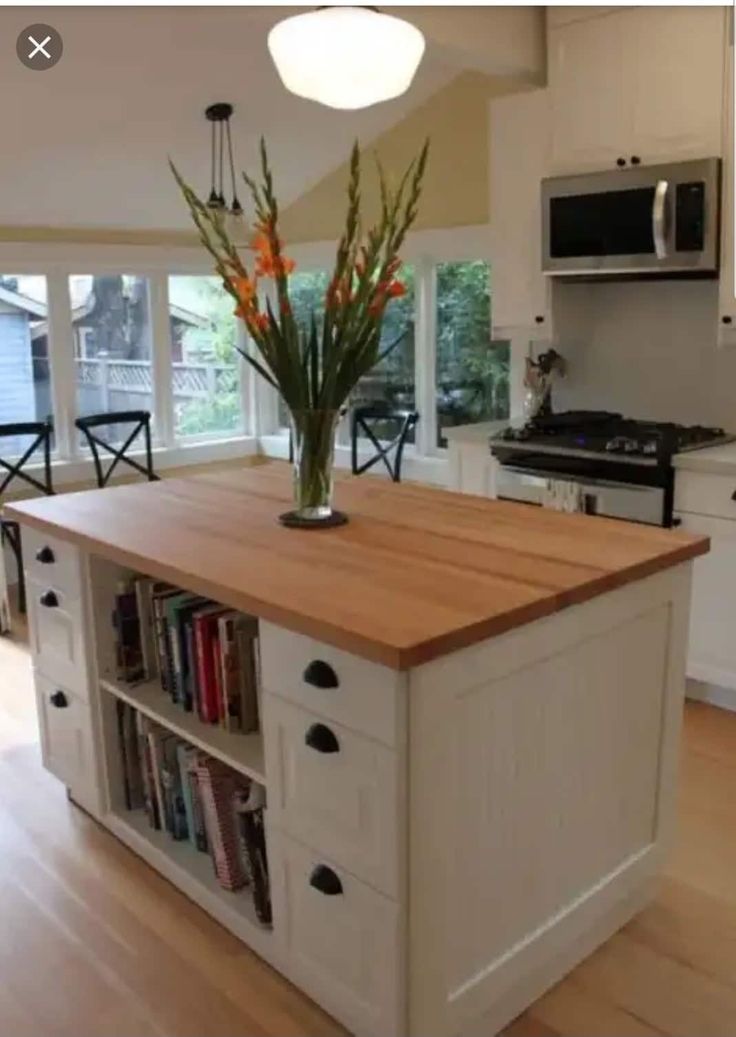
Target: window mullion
{"type": "Point", "coordinates": [62, 366]}
{"type": "Point", "coordinates": [425, 355]}
{"type": "Point", "coordinates": [161, 365]}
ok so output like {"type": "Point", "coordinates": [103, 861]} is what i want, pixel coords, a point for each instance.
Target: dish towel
{"type": "Point", "coordinates": [563, 496]}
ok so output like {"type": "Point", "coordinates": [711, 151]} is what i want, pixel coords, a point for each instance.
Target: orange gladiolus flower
{"type": "Point", "coordinates": [395, 289]}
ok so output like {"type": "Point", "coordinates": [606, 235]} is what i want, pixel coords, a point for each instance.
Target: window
{"type": "Point", "coordinates": [204, 333]}
{"type": "Point", "coordinates": [25, 386]}
{"type": "Point", "coordinates": [472, 370]}
{"type": "Point", "coordinates": [111, 325]}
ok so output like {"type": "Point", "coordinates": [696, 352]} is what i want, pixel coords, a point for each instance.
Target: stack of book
{"type": "Point", "coordinates": [193, 796]}
{"type": "Point", "coordinates": [204, 654]}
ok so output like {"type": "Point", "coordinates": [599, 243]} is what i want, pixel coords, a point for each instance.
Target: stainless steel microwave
{"type": "Point", "coordinates": [638, 222]}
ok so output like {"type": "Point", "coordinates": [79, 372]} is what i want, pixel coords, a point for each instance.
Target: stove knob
{"type": "Point", "coordinates": [649, 447]}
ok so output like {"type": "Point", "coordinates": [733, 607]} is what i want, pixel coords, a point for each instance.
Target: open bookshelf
{"type": "Point", "coordinates": [242, 752]}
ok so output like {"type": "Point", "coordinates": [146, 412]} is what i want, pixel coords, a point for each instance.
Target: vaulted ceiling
{"type": "Point", "coordinates": [85, 144]}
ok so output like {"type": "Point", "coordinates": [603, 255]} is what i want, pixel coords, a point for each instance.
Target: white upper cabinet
{"type": "Point", "coordinates": [727, 293]}
{"type": "Point", "coordinates": [519, 142]}
{"type": "Point", "coordinates": [642, 84]}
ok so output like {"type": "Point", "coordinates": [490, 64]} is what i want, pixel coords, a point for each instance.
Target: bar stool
{"type": "Point", "coordinates": [364, 420]}
{"type": "Point", "coordinates": [16, 468]}
{"type": "Point", "coordinates": [141, 420]}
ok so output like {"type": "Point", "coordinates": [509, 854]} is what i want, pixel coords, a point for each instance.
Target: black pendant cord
{"type": "Point", "coordinates": [221, 194]}
{"type": "Point", "coordinates": [236, 207]}
{"type": "Point", "coordinates": [212, 200]}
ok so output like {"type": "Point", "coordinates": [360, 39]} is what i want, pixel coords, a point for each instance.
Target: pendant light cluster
{"type": "Point", "coordinates": [346, 57]}
{"type": "Point", "coordinates": [221, 156]}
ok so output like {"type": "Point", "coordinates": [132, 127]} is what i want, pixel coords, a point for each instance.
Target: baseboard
{"type": "Point", "coordinates": [713, 694]}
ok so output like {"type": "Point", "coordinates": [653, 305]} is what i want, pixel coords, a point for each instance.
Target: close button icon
{"type": "Point", "coordinates": [39, 47]}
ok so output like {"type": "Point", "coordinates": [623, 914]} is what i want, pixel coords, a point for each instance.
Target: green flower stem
{"type": "Point", "coordinates": [314, 448]}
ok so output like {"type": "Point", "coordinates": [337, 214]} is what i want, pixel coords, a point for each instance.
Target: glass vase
{"type": "Point", "coordinates": [313, 435]}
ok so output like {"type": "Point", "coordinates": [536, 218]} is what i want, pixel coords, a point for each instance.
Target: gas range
{"type": "Point", "coordinates": [606, 454]}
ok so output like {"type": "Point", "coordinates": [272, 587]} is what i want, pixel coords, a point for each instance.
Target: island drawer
{"type": "Point", "coordinates": [362, 695]}
{"type": "Point", "coordinates": [334, 789]}
{"type": "Point", "coordinates": [66, 736]}
{"type": "Point", "coordinates": [56, 628]}
{"type": "Point", "coordinates": [705, 493]}
{"type": "Point", "coordinates": [343, 941]}
{"type": "Point", "coordinates": [51, 561]}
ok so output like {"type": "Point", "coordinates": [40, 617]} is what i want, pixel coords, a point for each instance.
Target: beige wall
{"type": "Point", "coordinates": [456, 187]}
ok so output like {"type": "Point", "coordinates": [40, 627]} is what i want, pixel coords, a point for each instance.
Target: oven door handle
{"type": "Point", "coordinates": [659, 218]}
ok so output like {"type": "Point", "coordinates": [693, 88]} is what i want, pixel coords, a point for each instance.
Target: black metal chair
{"type": "Point", "coordinates": [364, 420]}
{"type": "Point", "coordinates": [15, 468]}
{"type": "Point", "coordinates": [141, 420]}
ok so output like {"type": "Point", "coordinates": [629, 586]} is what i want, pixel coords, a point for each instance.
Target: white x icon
{"type": "Point", "coordinates": [39, 47]}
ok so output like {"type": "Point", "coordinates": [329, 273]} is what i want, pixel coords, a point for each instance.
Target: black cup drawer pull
{"type": "Point", "coordinates": [45, 555]}
{"type": "Point", "coordinates": [49, 600]}
{"type": "Point", "coordinates": [59, 700]}
{"type": "Point", "coordinates": [326, 881]}
{"type": "Point", "coordinates": [320, 675]}
{"type": "Point", "coordinates": [321, 738]}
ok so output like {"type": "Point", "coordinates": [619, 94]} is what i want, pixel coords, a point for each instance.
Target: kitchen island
{"type": "Point", "coordinates": [469, 737]}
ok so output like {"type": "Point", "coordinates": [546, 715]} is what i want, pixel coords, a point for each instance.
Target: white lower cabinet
{"type": "Point", "coordinates": [335, 789]}
{"type": "Point", "coordinates": [67, 745]}
{"type": "Point", "coordinates": [342, 939]}
{"type": "Point", "coordinates": [56, 622]}
{"type": "Point", "coordinates": [712, 644]}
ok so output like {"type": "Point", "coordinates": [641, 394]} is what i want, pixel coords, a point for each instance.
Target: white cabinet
{"type": "Point", "coordinates": [67, 746]}
{"type": "Point", "coordinates": [727, 289]}
{"type": "Point", "coordinates": [519, 142]}
{"type": "Point", "coordinates": [643, 83]}
{"type": "Point", "coordinates": [343, 940]}
{"type": "Point", "coordinates": [333, 789]}
{"type": "Point", "coordinates": [712, 645]}
{"type": "Point", "coordinates": [57, 641]}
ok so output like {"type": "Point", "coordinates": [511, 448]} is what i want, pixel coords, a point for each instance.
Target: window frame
{"type": "Point", "coordinates": [424, 459]}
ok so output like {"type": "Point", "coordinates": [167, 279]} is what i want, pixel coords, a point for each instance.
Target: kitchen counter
{"type": "Point", "coordinates": [415, 574]}
{"type": "Point", "coordinates": [718, 460]}
{"type": "Point", "coordinates": [479, 432]}
{"type": "Point", "coordinates": [469, 716]}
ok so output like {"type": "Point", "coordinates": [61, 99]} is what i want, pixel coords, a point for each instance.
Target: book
{"type": "Point", "coordinates": [184, 755]}
{"type": "Point", "coordinates": [206, 649]}
{"type": "Point", "coordinates": [156, 763]}
{"type": "Point", "coordinates": [218, 785]}
{"type": "Point", "coordinates": [172, 787]}
{"type": "Point", "coordinates": [236, 643]}
{"type": "Point", "coordinates": [128, 653]}
{"type": "Point", "coordinates": [159, 596]}
{"type": "Point", "coordinates": [120, 708]}
{"type": "Point", "coordinates": [149, 796]}
{"type": "Point", "coordinates": [131, 763]}
{"type": "Point", "coordinates": [249, 810]}
{"type": "Point", "coordinates": [177, 608]}
{"type": "Point", "coordinates": [144, 602]}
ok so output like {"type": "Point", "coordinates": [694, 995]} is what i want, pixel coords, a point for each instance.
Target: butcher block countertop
{"type": "Point", "coordinates": [416, 573]}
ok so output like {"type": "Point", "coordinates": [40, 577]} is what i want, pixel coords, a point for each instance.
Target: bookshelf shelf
{"type": "Point", "coordinates": [192, 872]}
{"type": "Point", "coordinates": [242, 752]}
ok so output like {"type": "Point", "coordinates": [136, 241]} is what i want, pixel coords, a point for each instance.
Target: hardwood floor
{"type": "Point", "coordinates": [94, 943]}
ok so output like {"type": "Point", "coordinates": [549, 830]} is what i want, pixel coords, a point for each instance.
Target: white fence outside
{"type": "Point", "coordinates": [135, 377]}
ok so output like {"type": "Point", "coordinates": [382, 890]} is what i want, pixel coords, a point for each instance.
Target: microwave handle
{"type": "Point", "coordinates": [659, 218]}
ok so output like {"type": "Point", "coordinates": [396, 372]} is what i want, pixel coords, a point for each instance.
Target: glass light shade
{"type": "Point", "coordinates": [346, 57]}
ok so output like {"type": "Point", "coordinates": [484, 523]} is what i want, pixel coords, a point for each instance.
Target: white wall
{"type": "Point", "coordinates": [647, 349]}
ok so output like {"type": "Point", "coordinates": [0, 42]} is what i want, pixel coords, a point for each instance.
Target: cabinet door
{"type": "Point", "coordinates": [519, 159]}
{"type": "Point", "coordinates": [677, 83]}
{"type": "Point", "coordinates": [712, 646]}
{"type": "Point", "coordinates": [590, 77]}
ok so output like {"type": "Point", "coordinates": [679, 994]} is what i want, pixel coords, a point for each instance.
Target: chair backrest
{"type": "Point", "coordinates": [364, 420]}
{"type": "Point", "coordinates": [15, 467]}
{"type": "Point", "coordinates": [141, 421]}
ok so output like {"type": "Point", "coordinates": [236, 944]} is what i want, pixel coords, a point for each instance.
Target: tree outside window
{"type": "Point", "coordinates": [472, 369]}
